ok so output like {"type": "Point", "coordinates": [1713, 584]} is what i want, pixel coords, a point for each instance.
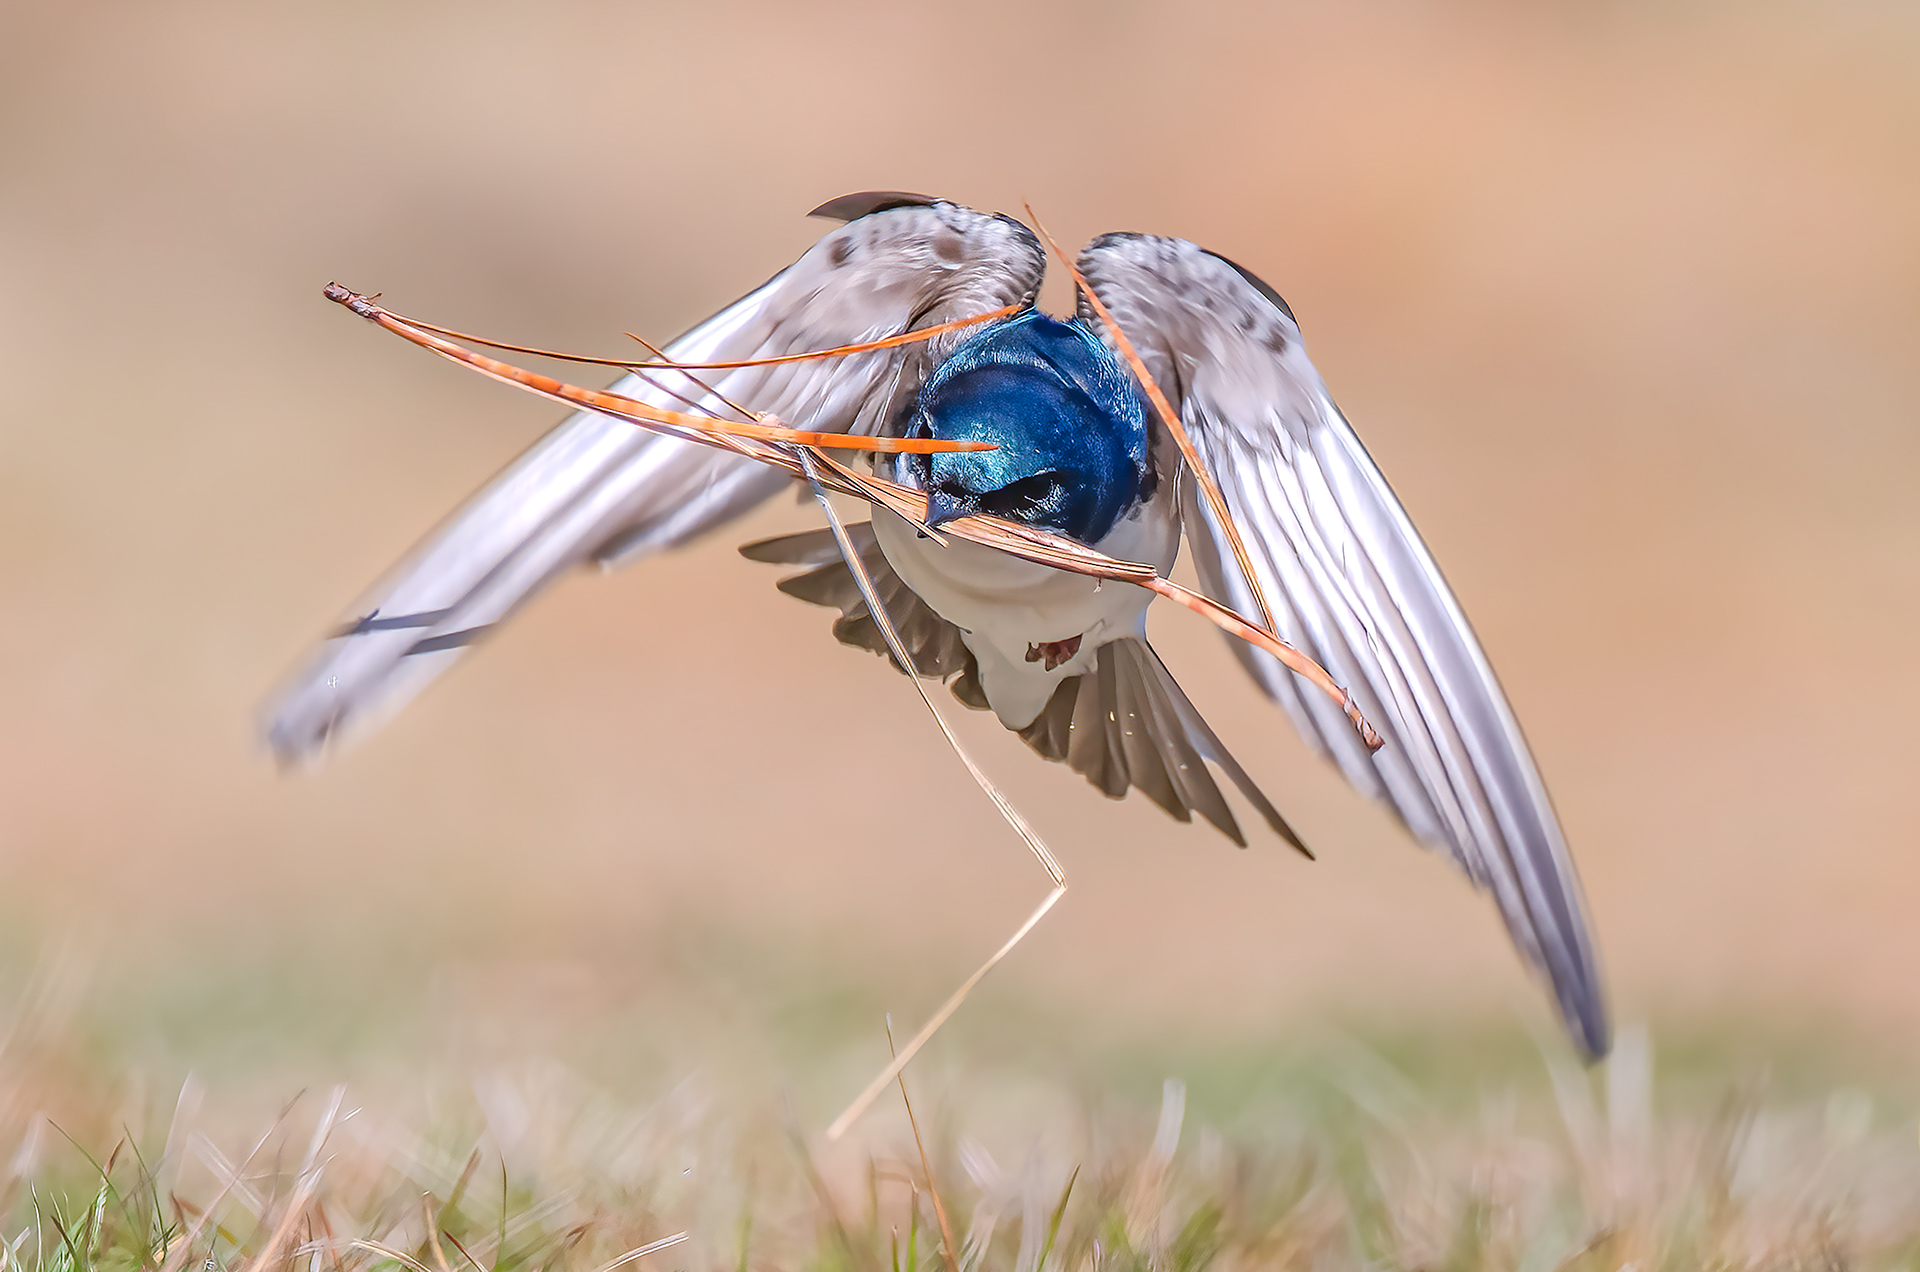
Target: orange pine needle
{"type": "Point", "coordinates": [666, 364]}
{"type": "Point", "coordinates": [1046, 548]}
{"type": "Point", "coordinates": [1029, 543]}
{"type": "Point", "coordinates": [628, 408]}
{"type": "Point", "coordinates": [726, 401]}
{"type": "Point", "coordinates": [889, 342]}
{"type": "Point", "coordinates": [1171, 418]}
{"type": "Point", "coordinates": [1295, 661]}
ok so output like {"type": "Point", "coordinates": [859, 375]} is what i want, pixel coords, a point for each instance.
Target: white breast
{"type": "Point", "coordinates": [1003, 606]}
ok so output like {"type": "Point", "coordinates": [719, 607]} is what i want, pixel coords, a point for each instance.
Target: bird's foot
{"type": "Point", "coordinates": [1055, 652]}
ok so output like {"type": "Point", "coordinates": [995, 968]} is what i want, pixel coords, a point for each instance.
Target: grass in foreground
{"type": "Point", "coordinates": [1417, 1152]}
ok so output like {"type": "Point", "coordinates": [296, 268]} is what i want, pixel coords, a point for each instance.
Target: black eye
{"type": "Point", "coordinates": [1029, 494]}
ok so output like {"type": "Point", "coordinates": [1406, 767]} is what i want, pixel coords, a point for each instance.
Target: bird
{"type": "Point", "coordinates": [1079, 449]}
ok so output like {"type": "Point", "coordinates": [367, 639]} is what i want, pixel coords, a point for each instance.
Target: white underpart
{"type": "Point", "coordinates": [1003, 606]}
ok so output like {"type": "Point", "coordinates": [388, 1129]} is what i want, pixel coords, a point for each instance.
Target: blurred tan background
{"type": "Point", "coordinates": [1624, 298]}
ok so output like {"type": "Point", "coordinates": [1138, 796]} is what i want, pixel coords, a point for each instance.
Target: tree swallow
{"type": "Point", "coordinates": [1058, 657]}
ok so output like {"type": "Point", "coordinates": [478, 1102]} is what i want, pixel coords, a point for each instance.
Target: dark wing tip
{"type": "Point", "coordinates": [851, 207]}
{"type": "Point", "coordinates": [1258, 284]}
{"type": "Point", "coordinates": [1150, 280]}
{"type": "Point", "coordinates": [1584, 1009]}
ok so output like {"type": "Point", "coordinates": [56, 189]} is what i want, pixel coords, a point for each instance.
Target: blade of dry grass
{"type": "Point", "coordinates": [878, 611]}
{"type": "Point", "coordinates": [948, 1250]}
{"type": "Point", "coordinates": [642, 1251]}
{"type": "Point", "coordinates": [1012, 815]}
{"type": "Point", "coordinates": [389, 1252]}
{"type": "Point", "coordinates": [185, 1247]}
{"type": "Point", "coordinates": [900, 1062]}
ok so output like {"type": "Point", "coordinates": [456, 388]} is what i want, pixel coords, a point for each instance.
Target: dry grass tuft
{"type": "Point", "coordinates": [1343, 1158]}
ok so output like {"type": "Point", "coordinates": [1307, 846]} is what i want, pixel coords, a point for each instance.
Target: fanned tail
{"type": "Point", "coordinates": [1125, 725]}
{"type": "Point", "coordinates": [1128, 724]}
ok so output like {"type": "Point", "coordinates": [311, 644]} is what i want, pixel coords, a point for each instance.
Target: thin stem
{"type": "Point", "coordinates": [926, 1167]}
{"type": "Point", "coordinates": [841, 351]}
{"type": "Point", "coordinates": [629, 408]}
{"type": "Point", "coordinates": [919, 1040]}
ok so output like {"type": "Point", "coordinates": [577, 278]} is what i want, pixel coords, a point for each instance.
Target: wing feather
{"type": "Point", "coordinates": [598, 489]}
{"type": "Point", "coordinates": [1349, 581]}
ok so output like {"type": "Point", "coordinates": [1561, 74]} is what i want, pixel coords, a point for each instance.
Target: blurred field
{"type": "Point", "coordinates": [1624, 297]}
{"type": "Point", "coordinates": [527, 1126]}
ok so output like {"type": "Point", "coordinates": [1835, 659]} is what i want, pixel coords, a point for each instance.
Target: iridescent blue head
{"type": "Point", "coordinates": [1069, 423]}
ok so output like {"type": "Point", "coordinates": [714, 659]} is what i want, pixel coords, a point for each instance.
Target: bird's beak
{"type": "Point", "coordinates": [943, 507]}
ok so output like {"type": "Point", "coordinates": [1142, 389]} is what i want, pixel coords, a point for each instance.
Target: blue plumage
{"type": "Point", "coordinates": [1068, 420]}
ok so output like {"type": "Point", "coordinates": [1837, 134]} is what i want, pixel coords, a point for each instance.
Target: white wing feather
{"type": "Point", "coordinates": [598, 489]}
{"type": "Point", "coordinates": [1350, 582]}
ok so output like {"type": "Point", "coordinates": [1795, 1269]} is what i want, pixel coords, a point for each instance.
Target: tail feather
{"type": "Point", "coordinates": [1141, 747]}
{"type": "Point", "coordinates": [1209, 745]}
{"type": "Point", "coordinates": [1128, 725]}
{"type": "Point", "coordinates": [1124, 725]}
{"type": "Point", "coordinates": [1193, 785]}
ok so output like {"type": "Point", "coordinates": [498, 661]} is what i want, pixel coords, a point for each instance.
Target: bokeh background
{"type": "Point", "coordinates": [1624, 298]}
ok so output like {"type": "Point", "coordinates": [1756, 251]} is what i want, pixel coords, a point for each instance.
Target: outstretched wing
{"type": "Point", "coordinates": [1349, 581]}
{"type": "Point", "coordinates": [598, 489]}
